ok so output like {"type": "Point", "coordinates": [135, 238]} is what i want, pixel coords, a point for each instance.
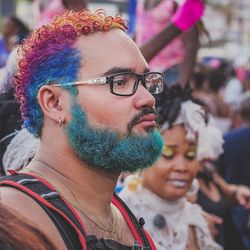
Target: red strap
{"type": "Point", "coordinates": [151, 242]}
{"type": "Point", "coordinates": [69, 206]}
{"type": "Point", "coordinates": [128, 220]}
{"type": "Point", "coordinates": [131, 225]}
{"type": "Point", "coordinates": [45, 202]}
{"type": "Point", "coordinates": [12, 171]}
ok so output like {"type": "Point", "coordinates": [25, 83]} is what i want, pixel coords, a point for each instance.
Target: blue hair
{"type": "Point", "coordinates": [60, 67]}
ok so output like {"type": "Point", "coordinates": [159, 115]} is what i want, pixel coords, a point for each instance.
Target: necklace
{"type": "Point", "coordinates": [109, 228]}
{"type": "Point", "coordinates": [97, 221]}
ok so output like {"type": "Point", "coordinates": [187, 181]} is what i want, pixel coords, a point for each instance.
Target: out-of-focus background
{"type": "Point", "coordinates": [228, 22]}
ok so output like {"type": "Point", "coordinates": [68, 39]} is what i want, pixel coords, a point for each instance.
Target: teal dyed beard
{"type": "Point", "coordinates": [104, 149]}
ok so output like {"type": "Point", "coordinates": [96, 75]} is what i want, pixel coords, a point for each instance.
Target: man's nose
{"type": "Point", "coordinates": [143, 98]}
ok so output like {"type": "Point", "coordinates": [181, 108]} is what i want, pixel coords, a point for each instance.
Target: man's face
{"type": "Point", "coordinates": [114, 133]}
{"type": "Point", "coordinates": [105, 53]}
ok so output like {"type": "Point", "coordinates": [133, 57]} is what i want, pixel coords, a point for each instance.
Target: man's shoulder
{"type": "Point", "coordinates": [21, 202]}
{"type": "Point", "coordinates": [30, 211]}
{"type": "Point", "coordinates": [14, 198]}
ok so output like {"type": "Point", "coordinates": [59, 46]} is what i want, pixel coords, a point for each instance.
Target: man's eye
{"type": "Point", "coordinates": [168, 152]}
{"type": "Point", "coordinates": [119, 82]}
{"type": "Point", "coordinates": [191, 154]}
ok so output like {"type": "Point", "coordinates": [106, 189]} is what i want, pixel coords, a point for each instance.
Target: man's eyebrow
{"type": "Point", "coordinates": [117, 70]}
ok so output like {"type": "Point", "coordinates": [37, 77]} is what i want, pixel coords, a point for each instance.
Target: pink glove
{"type": "Point", "coordinates": [188, 14]}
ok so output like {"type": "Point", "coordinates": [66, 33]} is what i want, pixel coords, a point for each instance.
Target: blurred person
{"type": "Point", "coordinates": [219, 109]}
{"type": "Point", "coordinates": [132, 16]}
{"type": "Point", "coordinates": [217, 197]}
{"type": "Point", "coordinates": [198, 81]}
{"type": "Point", "coordinates": [233, 89]}
{"type": "Point", "coordinates": [234, 164]}
{"type": "Point", "coordinates": [161, 40]}
{"type": "Point", "coordinates": [217, 105]}
{"type": "Point", "coordinates": [10, 117]}
{"type": "Point", "coordinates": [238, 120]}
{"type": "Point", "coordinates": [173, 222]}
{"type": "Point", "coordinates": [236, 148]}
{"type": "Point", "coordinates": [93, 110]}
{"type": "Point", "coordinates": [17, 234]}
{"type": "Point", "coordinates": [46, 10]}
{"type": "Point", "coordinates": [75, 5]}
{"type": "Point", "coordinates": [246, 81]}
{"type": "Point", "coordinates": [18, 151]}
{"type": "Point", "coordinates": [4, 52]}
{"type": "Point", "coordinates": [8, 72]}
{"type": "Point", "coordinates": [10, 121]}
{"type": "Point", "coordinates": [14, 31]}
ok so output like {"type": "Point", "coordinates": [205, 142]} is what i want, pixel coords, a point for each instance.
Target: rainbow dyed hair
{"type": "Point", "coordinates": [49, 55]}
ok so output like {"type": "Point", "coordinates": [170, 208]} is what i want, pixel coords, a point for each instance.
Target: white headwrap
{"type": "Point", "coordinates": [210, 140]}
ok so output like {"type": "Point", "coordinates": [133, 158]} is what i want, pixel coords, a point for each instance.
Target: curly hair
{"type": "Point", "coordinates": [168, 103]}
{"type": "Point", "coordinates": [49, 54]}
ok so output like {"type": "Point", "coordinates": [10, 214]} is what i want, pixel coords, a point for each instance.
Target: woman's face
{"type": "Point", "coordinates": [173, 174]}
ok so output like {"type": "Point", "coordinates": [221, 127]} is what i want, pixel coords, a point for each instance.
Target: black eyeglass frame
{"type": "Point", "coordinates": [140, 78]}
{"type": "Point", "coordinates": [110, 80]}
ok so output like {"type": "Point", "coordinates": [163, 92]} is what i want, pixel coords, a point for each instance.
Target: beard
{"type": "Point", "coordinates": [106, 150]}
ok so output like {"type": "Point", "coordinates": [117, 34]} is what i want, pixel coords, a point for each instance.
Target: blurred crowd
{"type": "Point", "coordinates": [216, 199]}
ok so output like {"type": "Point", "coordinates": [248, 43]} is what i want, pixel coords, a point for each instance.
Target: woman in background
{"type": "Point", "coordinates": [173, 222]}
{"type": "Point", "coordinates": [160, 196]}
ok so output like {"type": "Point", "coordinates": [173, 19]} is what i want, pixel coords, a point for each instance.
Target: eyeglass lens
{"type": "Point", "coordinates": [127, 84]}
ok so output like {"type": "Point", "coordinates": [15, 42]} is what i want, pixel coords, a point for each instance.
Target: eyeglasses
{"type": "Point", "coordinates": [125, 84]}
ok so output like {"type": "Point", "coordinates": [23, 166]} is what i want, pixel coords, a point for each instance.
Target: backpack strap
{"type": "Point", "coordinates": [60, 212]}
{"type": "Point", "coordinates": [65, 217]}
{"type": "Point", "coordinates": [136, 227]}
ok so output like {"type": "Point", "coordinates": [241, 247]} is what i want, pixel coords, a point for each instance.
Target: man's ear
{"type": "Point", "coordinates": [52, 102]}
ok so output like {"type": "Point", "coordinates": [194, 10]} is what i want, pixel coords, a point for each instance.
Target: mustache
{"type": "Point", "coordinates": [137, 117]}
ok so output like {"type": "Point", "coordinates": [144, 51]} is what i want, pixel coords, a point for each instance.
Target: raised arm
{"type": "Point", "coordinates": [186, 16]}
{"type": "Point", "coordinates": [236, 194]}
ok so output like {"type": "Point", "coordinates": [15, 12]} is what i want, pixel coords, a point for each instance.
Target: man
{"type": "Point", "coordinates": [84, 89]}
{"type": "Point", "coordinates": [19, 151]}
{"type": "Point", "coordinates": [234, 166]}
{"type": "Point", "coordinates": [233, 89]}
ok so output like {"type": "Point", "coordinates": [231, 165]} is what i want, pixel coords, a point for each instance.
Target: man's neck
{"type": "Point", "coordinates": [75, 180]}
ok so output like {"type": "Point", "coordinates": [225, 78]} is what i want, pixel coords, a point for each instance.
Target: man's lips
{"type": "Point", "coordinates": [147, 120]}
